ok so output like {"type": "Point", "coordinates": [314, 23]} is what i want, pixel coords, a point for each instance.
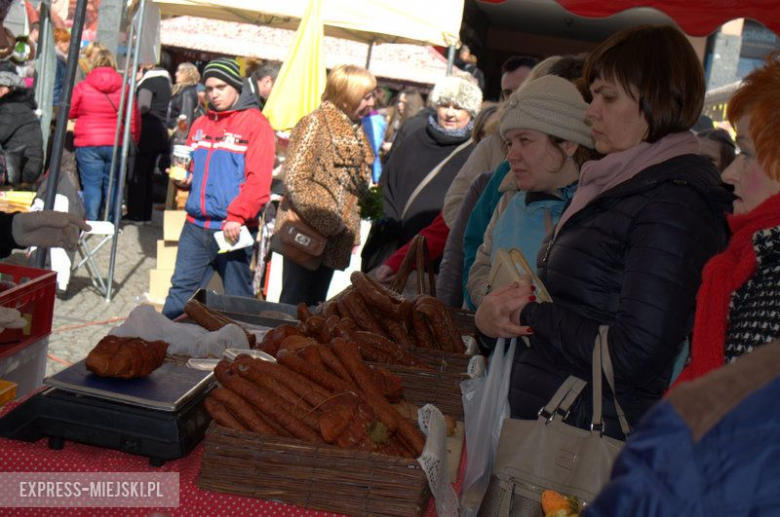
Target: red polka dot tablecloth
{"type": "Point", "coordinates": [17, 456]}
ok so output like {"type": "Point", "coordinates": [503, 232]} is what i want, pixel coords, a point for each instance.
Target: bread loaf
{"type": "Point", "coordinates": [126, 357]}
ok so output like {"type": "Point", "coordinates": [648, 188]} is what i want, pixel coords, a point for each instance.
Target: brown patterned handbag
{"type": "Point", "coordinates": [298, 241]}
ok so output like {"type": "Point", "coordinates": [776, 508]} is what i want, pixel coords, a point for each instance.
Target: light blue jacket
{"type": "Point", "coordinates": [521, 220]}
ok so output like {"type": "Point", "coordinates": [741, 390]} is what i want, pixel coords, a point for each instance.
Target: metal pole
{"type": "Point", "coordinates": [125, 146]}
{"type": "Point", "coordinates": [119, 116]}
{"type": "Point", "coordinates": [368, 57]}
{"type": "Point", "coordinates": [450, 58]}
{"type": "Point", "coordinates": [62, 117]}
{"type": "Point", "coordinates": [44, 76]}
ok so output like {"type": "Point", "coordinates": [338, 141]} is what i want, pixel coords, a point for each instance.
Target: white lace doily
{"type": "Point", "coordinates": [434, 460]}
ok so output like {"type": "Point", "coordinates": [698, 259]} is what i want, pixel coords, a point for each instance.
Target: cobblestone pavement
{"type": "Point", "coordinates": [81, 314]}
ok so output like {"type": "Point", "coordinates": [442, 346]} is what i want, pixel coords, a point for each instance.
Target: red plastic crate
{"type": "Point", "coordinates": [34, 298]}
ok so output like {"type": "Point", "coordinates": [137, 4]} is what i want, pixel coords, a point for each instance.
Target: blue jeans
{"type": "Point", "coordinates": [196, 261]}
{"type": "Point", "coordinates": [94, 164]}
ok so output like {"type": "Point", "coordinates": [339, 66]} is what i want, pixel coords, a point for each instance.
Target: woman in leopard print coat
{"type": "Point", "coordinates": [326, 173]}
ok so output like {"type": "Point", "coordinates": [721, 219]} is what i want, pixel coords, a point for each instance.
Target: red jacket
{"type": "Point", "coordinates": [94, 106]}
{"type": "Point", "coordinates": [435, 234]}
{"type": "Point", "coordinates": [232, 166]}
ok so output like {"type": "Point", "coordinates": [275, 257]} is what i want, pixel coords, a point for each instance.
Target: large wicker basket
{"type": "Point", "coordinates": [442, 388]}
{"type": "Point", "coordinates": [449, 362]}
{"type": "Point", "coordinates": [321, 477]}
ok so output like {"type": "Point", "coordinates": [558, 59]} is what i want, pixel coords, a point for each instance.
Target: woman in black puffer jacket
{"type": "Point", "coordinates": [629, 250]}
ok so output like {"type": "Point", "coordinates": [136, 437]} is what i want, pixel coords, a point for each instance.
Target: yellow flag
{"type": "Point", "coordinates": [301, 80]}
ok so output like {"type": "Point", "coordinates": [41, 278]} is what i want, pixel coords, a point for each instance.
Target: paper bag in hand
{"type": "Point", "coordinates": [509, 266]}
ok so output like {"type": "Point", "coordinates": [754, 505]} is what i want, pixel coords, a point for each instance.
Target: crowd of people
{"type": "Point", "coordinates": [588, 165]}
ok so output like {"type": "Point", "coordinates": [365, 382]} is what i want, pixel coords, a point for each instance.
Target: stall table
{"type": "Point", "coordinates": [21, 456]}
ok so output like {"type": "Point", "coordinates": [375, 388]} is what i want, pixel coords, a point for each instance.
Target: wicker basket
{"type": "Point", "coordinates": [442, 388]}
{"type": "Point", "coordinates": [320, 477]}
{"type": "Point", "coordinates": [448, 362]}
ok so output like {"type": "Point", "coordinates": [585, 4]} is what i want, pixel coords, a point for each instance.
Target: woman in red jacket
{"type": "Point", "coordinates": [95, 107]}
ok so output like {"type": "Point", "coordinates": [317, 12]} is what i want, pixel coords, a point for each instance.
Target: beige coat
{"type": "Point", "coordinates": [326, 173]}
{"type": "Point", "coordinates": [479, 274]}
{"type": "Point", "coordinates": [487, 156]}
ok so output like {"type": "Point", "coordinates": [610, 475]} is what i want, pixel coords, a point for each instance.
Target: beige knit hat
{"type": "Point", "coordinates": [457, 90]}
{"type": "Point", "coordinates": [550, 105]}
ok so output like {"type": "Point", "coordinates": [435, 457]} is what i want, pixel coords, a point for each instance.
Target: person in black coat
{"type": "Point", "coordinates": [184, 95]}
{"type": "Point", "coordinates": [20, 130]}
{"type": "Point", "coordinates": [629, 250]}
{"type": "Point", "coordinates": [154, 95]}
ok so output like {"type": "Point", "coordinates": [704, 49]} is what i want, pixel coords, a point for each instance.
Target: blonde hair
{"type": "Point", "coordinates": [191, 76]}
{"type": "Point", "coordinates": [103, 58]}
{"type": "Point", "coordinates": [347, 85]}
{"type": "Point", "coordinates": [91, 50]}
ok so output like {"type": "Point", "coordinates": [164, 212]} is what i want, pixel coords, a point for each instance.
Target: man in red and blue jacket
{"type": "Point", "coordinates": [229, 183]}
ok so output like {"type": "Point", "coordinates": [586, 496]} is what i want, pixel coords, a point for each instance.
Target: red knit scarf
{"type": "Point", "coordinates": [723, 275]}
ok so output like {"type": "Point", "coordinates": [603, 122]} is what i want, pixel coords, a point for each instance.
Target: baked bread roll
{"type": "Point", "coordinates": [126, 357]}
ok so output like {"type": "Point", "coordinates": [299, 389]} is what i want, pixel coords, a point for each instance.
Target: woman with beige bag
{"type": "Point", "coordinates": [326, 173]}
{"type": "Point", "coordinates": [629, 250]}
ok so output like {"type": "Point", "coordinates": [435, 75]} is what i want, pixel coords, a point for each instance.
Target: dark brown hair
{"type": "Point", "coordinates": [580, 156]}
{"type": "Point", "coordinates": [657, 66]}
{"type": "Point", "coordinates": [726, 144]}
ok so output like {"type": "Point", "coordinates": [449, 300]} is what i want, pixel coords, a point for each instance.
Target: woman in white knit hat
{"type": "Point", "coordinates": [544, 127]}
{"type": "Point", "coordinates": [421, 169]}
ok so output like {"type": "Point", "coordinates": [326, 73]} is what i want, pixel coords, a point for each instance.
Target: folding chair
{"type": "Point", "coordinates": [105, 231]}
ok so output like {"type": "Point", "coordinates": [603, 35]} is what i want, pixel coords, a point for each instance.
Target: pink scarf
{"type": "Point", "coordinates": [601, 175]}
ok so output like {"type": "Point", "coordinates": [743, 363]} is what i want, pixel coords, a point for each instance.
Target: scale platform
{"type": "Point", "coordinates": [160, 416]}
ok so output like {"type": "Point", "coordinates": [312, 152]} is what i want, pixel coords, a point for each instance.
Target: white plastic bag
{"type": "Point", "coordinates": [485, 406]}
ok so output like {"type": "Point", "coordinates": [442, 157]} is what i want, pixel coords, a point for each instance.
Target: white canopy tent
{"type": "Point", "coordinates": [370, 21]}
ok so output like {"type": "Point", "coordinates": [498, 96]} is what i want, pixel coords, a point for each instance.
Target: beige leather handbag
{"type": "Point", "coordinates": [542, 454]}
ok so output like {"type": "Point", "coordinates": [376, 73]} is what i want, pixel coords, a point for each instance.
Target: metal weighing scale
{"type": "Point", "coordinates": [160, 416]}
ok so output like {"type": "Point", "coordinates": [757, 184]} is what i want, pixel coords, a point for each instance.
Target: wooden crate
{"type": "Point", "coordinates": [313, 476]}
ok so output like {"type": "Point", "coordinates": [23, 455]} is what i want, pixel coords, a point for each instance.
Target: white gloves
{"type": "Point", "coordinates": [48, 229]}
{"type": "Point", "coordinates": [11, 319]}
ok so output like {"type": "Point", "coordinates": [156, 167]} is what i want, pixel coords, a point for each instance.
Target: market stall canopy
{"type": "Point", "coordinates": [695, 17]}
{"type": "Point", "coordinates": [389, 21]}
{"type": "Point", "coordinates": [395, 64]}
